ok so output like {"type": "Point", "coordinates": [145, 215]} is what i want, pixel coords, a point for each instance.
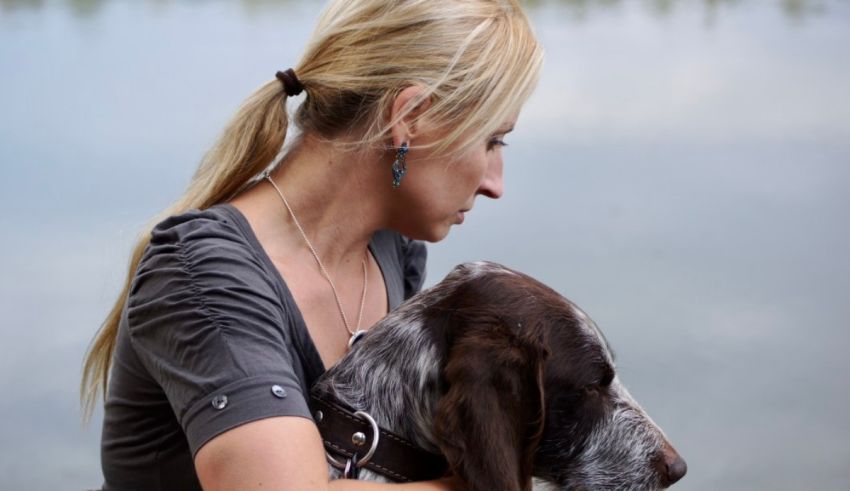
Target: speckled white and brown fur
{"type": "Point", "coordinates": [507, 379]}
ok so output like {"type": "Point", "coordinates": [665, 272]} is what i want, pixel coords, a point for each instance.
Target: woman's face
{"type": "Point", "coordinates": [438, 191]}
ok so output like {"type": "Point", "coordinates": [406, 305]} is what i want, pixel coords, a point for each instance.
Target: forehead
{"type": "Point", "coordinates": [589, 328]}
{"type": "Point", "coordinates": [508, 123]}
{"type": "Point", "coordinates": [523, 299]}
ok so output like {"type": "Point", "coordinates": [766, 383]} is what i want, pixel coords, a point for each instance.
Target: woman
{"type": "Point", "coordinates": [263, 271]}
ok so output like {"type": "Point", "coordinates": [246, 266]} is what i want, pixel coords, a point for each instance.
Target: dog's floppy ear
{"type": "Point", "coordinates": [489, 421]}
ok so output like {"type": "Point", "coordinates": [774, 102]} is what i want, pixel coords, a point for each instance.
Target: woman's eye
{"type": "Point", "coordinates": [496, 142]}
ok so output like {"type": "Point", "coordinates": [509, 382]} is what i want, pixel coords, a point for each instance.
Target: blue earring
{"type": "Point", "coordinates": [400, 165]}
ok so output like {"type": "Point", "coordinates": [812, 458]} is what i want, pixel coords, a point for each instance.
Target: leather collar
{"type": "Point", "coordinates": [394, 457]}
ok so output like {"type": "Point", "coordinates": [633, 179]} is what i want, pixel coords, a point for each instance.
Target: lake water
{"type": "Point", "coordinates": [682, 172]}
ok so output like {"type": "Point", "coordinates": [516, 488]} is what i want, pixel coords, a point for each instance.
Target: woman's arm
{"type": "Point", "coordinates": [281, 454]}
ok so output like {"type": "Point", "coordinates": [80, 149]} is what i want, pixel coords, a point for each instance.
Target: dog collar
{"type": "Point", "coordinates": [355, 437]}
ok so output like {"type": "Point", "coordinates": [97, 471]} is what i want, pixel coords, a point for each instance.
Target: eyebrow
{"type": "Point", "coordinates": [608, 347]}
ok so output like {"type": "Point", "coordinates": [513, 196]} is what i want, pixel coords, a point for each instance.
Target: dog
{"type": "Point", "coordinates": [510, 382]}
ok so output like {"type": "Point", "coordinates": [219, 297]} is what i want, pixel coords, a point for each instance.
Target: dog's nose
{"type": "Point", "coordinates": [672, 465]}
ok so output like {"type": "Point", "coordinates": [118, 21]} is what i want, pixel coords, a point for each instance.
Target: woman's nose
{"type": "Point", "coordinates": [493, 185]}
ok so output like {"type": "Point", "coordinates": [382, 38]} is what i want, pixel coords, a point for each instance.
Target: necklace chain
{"type": "Point", "coordinates": [322, 268]}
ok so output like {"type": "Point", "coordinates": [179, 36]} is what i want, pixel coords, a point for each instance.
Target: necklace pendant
{"type": "Point", "coordinates": [355, 337]}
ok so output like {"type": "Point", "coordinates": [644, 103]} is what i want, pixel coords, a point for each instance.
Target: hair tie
{"type": "Point", "coordinates": [291, 85]}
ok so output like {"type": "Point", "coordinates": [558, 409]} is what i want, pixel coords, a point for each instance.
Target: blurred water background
{"type": "Point", "coordinates": [682, 172]}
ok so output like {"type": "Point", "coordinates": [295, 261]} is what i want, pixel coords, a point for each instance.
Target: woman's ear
{"type": "Point", "coordinates": [405, 112]}
{"type": "Point", "coordinates": [489, 422]}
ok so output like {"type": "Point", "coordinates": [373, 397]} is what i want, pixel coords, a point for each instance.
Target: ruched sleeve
{"type": "Point", "coordinates": [206, 321]}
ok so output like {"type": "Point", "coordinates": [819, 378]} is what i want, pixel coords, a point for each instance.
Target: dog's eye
{"type": "Point", "coordinates": [607, 377]}
{"type": "Point", "coordinates": [602, 384]}
{"type": "Point", "coordinates": [594, 390]}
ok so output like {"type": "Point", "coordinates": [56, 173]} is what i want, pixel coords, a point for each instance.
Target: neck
{"type": "Point", "coordinates": [333, 195]}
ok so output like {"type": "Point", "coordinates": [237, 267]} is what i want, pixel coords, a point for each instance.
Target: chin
{"type": "Point", "coordinates": [432, 234]}
{"type": "Point", "coordinates": [435, 236]}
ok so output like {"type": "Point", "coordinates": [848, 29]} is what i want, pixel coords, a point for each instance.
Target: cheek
{"type": "Point", "coordinates": [571, 417]}
{"type": "Point", "coordinates": [473, 173]}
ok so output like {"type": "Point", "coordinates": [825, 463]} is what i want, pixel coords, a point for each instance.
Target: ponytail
{"type": "Point", "coordinates": [250, 143]}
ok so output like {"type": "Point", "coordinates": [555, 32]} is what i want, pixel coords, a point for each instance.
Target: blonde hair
{"type": "Point", "coordinates": [477, 61]}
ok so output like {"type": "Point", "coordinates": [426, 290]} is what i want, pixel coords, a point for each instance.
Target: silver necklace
{"type": "Point", "coordinates": [355, 334]}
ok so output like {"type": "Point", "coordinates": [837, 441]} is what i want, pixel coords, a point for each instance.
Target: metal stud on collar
{"type": "Point", "coordinates": [358, 437]}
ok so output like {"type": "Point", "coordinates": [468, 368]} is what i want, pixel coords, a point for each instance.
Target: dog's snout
{"type": "Point", "coordinates": [671, 465]}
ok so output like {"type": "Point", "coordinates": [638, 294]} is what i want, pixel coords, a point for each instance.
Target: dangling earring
{"type": "Point", "coordinates": [400, 165]}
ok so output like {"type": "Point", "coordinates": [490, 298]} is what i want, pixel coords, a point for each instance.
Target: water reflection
{"type": "Point", "coordinates": [687, 186]}
{"type": "Point", "coordinates": [796, 10]}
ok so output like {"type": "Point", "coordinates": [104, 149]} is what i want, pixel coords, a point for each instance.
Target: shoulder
{"type": "Point", "coordinates": [211, 232]}
{"type": "Point", "coordinates": [203, 247]}
{"type": "Point", "coordinates": [200, 268]}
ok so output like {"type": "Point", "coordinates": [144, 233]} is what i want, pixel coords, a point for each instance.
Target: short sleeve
{"type": "Point", "coordinates": [414, 256]}
{"type": "Point", "coordinates": [206, 322]}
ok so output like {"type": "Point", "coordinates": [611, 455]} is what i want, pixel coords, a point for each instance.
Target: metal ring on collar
{"type": "Point", "coordinates": [375, 438]}
{"type": "Point", "coordinates": [332, 461]}
{"type": "Point", "coordinates": [366, 458]}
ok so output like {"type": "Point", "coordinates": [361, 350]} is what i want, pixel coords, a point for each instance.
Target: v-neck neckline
{"type": "Point", "coordinates": [306, 348]}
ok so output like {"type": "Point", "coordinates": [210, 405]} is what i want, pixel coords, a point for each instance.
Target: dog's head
{"type": "Point", "coordinates": [531, 389]}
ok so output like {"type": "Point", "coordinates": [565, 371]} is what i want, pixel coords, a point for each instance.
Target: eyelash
{"type": "Point", "coordinates": [496, 142]}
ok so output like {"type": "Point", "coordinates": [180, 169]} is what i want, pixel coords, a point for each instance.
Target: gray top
{"type": "Point", "coordinates": [210, 338]}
